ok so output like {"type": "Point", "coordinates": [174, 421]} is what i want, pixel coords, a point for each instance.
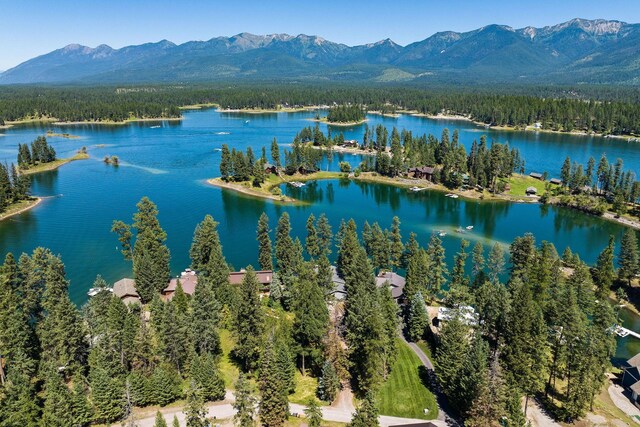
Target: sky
{"type": "Point", "coordinates": [29, 28]}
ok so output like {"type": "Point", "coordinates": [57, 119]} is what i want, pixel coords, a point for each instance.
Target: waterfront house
{"type": "Point", "coordinates": [555, 181]}
{"type": "Point", "coordinates": [125, 289]}
{"type": "Point", "coordinates": [188, 280]}
{"type": "Point", "coordinates": [631, 378]}
{"type": "Point", "coordinates": [537, 175]}
{"type": "Point", "coordinates": [395, 281]}
{"type": "Point", "coordinates": [385, 278]}
{"type": "Point", "coordinates": [422, 172]}
{"type": "Point", "coordinates": [350, 143]}
{"type": "Point", "coordinates": [532, 191]}
{"type": "Point", "coordinates": [265, 277]}
{"type": "Point", "coordinates": [269, 168]}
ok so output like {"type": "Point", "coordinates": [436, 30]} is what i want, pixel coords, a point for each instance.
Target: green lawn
{"type": "Point", "coordinates": [520, 183]}
{"type": "Point", "coordinates": [305, 389]}
{"type": "Point", "coordinates": [404, 394]}
{"type": "Point", "coordinates": [228, 370]}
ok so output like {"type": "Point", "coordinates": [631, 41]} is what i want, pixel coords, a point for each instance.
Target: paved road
{"type": "Point", "coordinates": [223, 410]}
{"type": "Point", "coordinates": [444, 412]}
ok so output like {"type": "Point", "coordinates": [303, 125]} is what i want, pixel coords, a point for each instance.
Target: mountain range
{"type": "Point", "coordinates": [577, 51]}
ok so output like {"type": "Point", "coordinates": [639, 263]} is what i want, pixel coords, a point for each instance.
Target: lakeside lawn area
{"type": "Point", "coordinates": [520, 183]}
{"type": "Point", "coordinates": [404, 394]}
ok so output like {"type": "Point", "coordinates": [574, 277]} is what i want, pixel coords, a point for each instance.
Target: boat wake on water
{"type": "Point", "coordinates": [144, 168]}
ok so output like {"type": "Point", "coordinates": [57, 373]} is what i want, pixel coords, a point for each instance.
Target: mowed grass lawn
{"type": "Point", "coordinates": [404, 394]}
{"type": "Point", "coordinates": [520, 183]}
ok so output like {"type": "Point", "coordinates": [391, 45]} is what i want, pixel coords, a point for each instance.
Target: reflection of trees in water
{"type": "Point", "coordinates": [382, 194]}
{"type": "Point", "coordinates": [241, 210]}
{"type": "Point", "coordinates": [486, 214]}
{"type": "Point", "coordinates": [310, 193]}
{"type": "Point", "coordinates": [44, 183]}
{"type": "Point", "coordinates": [594, 232]}
{"type": "Point", "coordinates": [330, 193]}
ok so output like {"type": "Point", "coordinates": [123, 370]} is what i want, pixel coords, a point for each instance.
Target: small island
{"type": "Point", "coordinates": [41, 157]}
{"type": "Point", "coordinates": [344, 115]}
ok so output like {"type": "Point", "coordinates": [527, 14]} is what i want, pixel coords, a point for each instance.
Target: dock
{"type": "Point", "coordinates": [624, 332]}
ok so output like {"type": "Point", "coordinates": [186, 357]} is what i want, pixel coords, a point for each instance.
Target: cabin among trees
{"type": "Point", "coordinates": [631, 378]}
{"type": "Point", "coordinates": [422, 172]}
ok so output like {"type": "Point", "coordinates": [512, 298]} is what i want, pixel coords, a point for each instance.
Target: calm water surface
{"type": "Point", "coordinates": [170, 164]}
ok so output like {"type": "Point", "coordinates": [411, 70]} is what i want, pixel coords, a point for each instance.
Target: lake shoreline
{"type": "Point", "coordinates": [32, 203]}
{"type": "Point", "coordinates": [51, 166]}
{"type": "Point", "coordinates": [264, 192]}
{"type": "Point", "coordinates": [528, 128]}
{"type": "Point", "coordinates": [340, 124]}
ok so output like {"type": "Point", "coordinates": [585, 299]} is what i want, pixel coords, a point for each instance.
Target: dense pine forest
{"type": "Point", "coordinates": [590, 109]}
{"type": "Point", "coordinates": [541, 326]}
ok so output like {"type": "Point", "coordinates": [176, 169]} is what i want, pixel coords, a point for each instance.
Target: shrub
{"type": "Point", "coordinates": [345, 167]}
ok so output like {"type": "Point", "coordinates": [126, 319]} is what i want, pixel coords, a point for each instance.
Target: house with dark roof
{"type": "Point", "coordinates": [555, 181]}
{"type": "Point", "coordinates": [265, 277]}
{"type": "Point", "coordinates": [631, 378]}
{"type": "Point", "coordinates": [188, 280]}
{"type": "Point", "coordinates": [532, 191]}
{"type": "Point", "coordinates": [385, 278]}
{"type": "Point", "coordinates": [395, 281]}
{"type": "Point", "coordinates": [125, 289]}
{"type": "Point", "coordinates": [422, 172]}
{"type": "Point", "coordinates": [537, 175]}
{"type": "Point", "coordinates": [269, 168]}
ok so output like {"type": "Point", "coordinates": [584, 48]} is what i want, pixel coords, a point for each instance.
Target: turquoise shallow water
{"type": "Point", "coordinates": [170, 164]}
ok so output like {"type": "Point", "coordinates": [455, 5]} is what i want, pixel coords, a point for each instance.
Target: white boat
{"type": "Point", "coordinates": [95, 291]}
{"type": "Point", "coordinates": [246, 121]}
{"type": "Point", "coordinates": [469, 227]}
{"type": "Point", "coordinates": [454, 196]}
{"type": "Point", "coordinates": [415, 189]}
{"type": "Point", "coordinates": [297, 184]}
{"type": "Point", "coordinates": [155, 127]}
{"type": "Point", "coordinates": [442, 234]}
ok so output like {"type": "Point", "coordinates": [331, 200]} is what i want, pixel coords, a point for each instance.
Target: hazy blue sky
{"type": "Point", "coordinates": [29, 28]}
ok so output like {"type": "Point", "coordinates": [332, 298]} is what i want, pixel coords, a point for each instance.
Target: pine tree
{"type": "Point", "coordinates": [265, 256]}
{"type": "Point", "coordinates": [205, 239]}
{"type": "Point", "coordinates": [328, 383]}
{"type": "Point", "coordinates": [565, 172]}
{"type": "Point", "coordinates": [285, 249]}
{"type": "Point", "coordinates": [417, 318]}
{"type": "Point", "coordinates": [496, 263]}
{"type": "Point", "coordinates": [19, 405]}
{"type": "Point", "coordinates": [195, 411]}
{"type": "Point", "coordinates": [311, 318]}
{"type": "Point", "coordinates": [367, 413]}
{"type": "Point", "coordinates": [628, 258]}
{"type": "Point", "coordinates": [605, 271]}
{"type": "Point", "coordinates": [396, 248]}
{"type": "Point", "coordinates": [450, 356]}
{"type": "Point", "coordinates": [244, 403]}
{"type": "Point", "coordinates": [325, 235]}
{"type": "Point", "coordinates": [204, 319]}
{"type": "Point", "coordinates": [436, 275]}
{"type": "Point", "coordinates": [312, 242]}
{"type": "Point", "coordinates": [313, 413]}
{"type": "Point", "coordinates": [165, 385]}
{"type": "Point", "coordinates": [160, 421]}
{"type": "Point", "coordinates": [410, 249]}
{"type": "Point", "coordinates": [249, 322]}
{"type": "Point", "coordinates": [489, 408]}
{"type": "Point", "coordinates": [275, 153]}
{"type": "Point", "coordinates": [458, 277]}
{"type": "Point", "coordinates": [205, 375]}
{"type": "Point", "coordinates": [57, 410]}
{"type": "Point", "coordinates": [478, 264]}
{"type": "Point", "coordinates": [274, 405]}
{"type": "Point", "coordinates": [525, 352]}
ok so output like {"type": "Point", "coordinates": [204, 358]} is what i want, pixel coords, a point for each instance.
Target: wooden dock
{"type": "Point", "coordinates": [624, 332]}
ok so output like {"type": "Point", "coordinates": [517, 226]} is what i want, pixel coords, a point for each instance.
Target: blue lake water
{"type": "Point", "coordinates": [170, 164]}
